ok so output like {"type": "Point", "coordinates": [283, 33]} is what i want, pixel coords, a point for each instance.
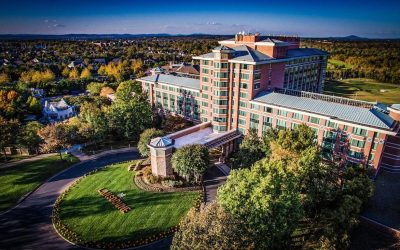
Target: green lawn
{"type": "Point", "coordinates": [94, 218]}
{"type": "Point", "coordinates": [19, 180]}
{"type": "Point", "coordinates": [338, 63]}
{"type": "Point", "coordinates": [364, 89]}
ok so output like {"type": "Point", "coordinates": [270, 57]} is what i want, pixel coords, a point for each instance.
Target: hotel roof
{"type": "Point", "coordinates": [247, 54]}
{"type": "Point", "coordinates": [305, 52]}
{"type": "Point", "coordinates": [183, 82]}
{"type": "Point", "coordinates": [338, 111]}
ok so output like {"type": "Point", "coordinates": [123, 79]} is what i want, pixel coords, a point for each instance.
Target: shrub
{"type": "Point", "coordinates": [172, 183]}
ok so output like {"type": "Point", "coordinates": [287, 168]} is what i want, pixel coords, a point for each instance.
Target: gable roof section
{"type": "Point", "coordinates": [305, 52]}
{"type": "Point", "coordinates": [183, 82]}
{"type": "Point", "coordinates": [353, 114]}
{"type": "Point", "coordinates": [245, 53]}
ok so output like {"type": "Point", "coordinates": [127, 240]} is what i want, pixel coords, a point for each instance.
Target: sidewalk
{"type": "Point", "coordinates": [34, 158]}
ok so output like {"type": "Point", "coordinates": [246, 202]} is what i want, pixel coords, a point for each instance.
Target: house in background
{"type": "Point", "coordinates": [58, 111]}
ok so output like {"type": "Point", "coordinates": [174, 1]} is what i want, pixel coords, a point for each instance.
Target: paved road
{"type": "Point", "coordinates": [28, 226]}
{"type": "Point", "coordinates": [213, 179]}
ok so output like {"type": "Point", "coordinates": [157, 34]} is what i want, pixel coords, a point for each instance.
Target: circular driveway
{"type": "Point", "coordinates": [29, 226]}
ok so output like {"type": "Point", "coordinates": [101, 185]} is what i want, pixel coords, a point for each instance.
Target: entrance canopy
{"type": "Point", "coordinates": [202, 134]}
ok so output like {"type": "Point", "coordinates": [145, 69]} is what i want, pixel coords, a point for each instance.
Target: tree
{"type": "Point", "coordinates": [28, 137]}
{"type": "Point", "coordinates": [250, 150]}
{"type": "Point", "coordinates": [95, 87]}
{"type": "Point", "coordinates": [191, 161]}
{"type": "Point", "coordinates": [106, 91]}
{"type": "Point", "coordinates": [86, 74]}
{"type": "Point", "coordinates": [8, 131]}
{"type": "Point", "coordinates": [55, 137]}
{"type": "Point", "coordinates": [65, 72]}
{"type": "Point", "coordinates": [173, 123]}
{"type": "Point", "coordinates": [4, 78]}
{"type": "Point", "coordinates": [129, 118]}
{"type": "Point", "coordinates": [318, 182]}
{"type": "Point", "coordinates": [266, 199]}
{"type": "Point", "coordinates": [210, 228]}
{"type": "Point", "coordinates": [127, 89]}
{"type": "Point", "coordinates": [34, 105]}
{"type": "Point", "coordinates": [145, 137]}
{"type": "Point", "coordinates": [74, 74]}
{"type": "Point", "coordinates": [94, 122]}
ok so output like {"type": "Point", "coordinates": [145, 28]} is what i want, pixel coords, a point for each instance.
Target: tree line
{"type": "Point", "coordinates": [375, 59]}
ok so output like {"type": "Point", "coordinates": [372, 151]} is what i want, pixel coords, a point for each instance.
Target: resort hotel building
{"type": "Point", "coordinates": [254, 82]}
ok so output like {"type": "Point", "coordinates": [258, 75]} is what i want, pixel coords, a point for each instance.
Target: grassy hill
{"type": "Point", "coordinates": [364, 89]}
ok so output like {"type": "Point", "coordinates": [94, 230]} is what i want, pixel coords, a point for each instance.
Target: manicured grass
{"type": "Point", "coordinates": [338, 63]}
{"type": "Point", "coordinates": [364, 89]}
{"type": "Point", "coordinates": [84, 211]}
{"type": "Point", "coordinates": [12, 158]}
{"type": "Point", "coordinates": [19, 180]}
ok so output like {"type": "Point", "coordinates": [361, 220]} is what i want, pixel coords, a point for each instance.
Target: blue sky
{"type": "Point", "coordinates": [376, 19]}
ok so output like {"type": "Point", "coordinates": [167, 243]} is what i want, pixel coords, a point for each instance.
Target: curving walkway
{"type": "Point", "coordinates": [29, 226]}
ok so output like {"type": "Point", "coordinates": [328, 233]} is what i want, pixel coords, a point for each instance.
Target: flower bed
{"type": "Point", "coordinates": [141, 183]}
{"type": "Point", "coordinates": [76, 238]}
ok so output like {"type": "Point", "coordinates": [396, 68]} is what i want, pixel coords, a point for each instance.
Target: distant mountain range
{"type": "Point", "coordinates": [96, 36]}
{"type": "Point", "coordinates": [132, 36]}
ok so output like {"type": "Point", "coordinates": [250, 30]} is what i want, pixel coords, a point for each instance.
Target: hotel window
{"type": "Point", "coordinates": [345, 127]}
{"type": "Point", "coordinates": [243, 95]}
{"type": "Point", "coordinates": [172, 89]}
{"type": "Point", "coordinates": [242, 113]}
{"type": "Point", "coordinates": [220, 102]}
{"type": "Point", "coordinates": [204, 79]}
{"type": "Point", "coordinates": [268, 109]}
{"type": "Point", "coordinates": [205, 96]}
{"type": "Point", "coordinates": [219, 119]}
{"type": "Point", "coordinates": [257, 76]}
{"type": "Point", "coordinates": [332, 124]}
{"type": "Point", "coordinates": [204, 111]}
{"type": "Point", "coordinates": [297, 116]}
{"type": "Point", "coordinates": [221, 65]}
{"type": "Point", "coordinates": [243, 85]}
{"type": "Point", "coordinates": [257, 85]}
{"type": "Point", "coordinates": [204, 104]}
{"type": "Point", "coordinates": [205, 62]}
{"type": "Point", "coordinates": [357, 155]}
{"type": "Point", "coordinates": [244, 66]}
{"type": "Point", "coordinates": [282, 112]}
{"type": "Point", "coordinates": [280, 124]}
{"type": "Point", "coordinates": [242, 122]}
{"type": "Point", "coordinates": [219, 111]}
{"type": "Point", "coordinates": [203, 119]}
{"type": "Point", "coordinates": [221, 74]}
{"type": "Point", "coordinates": [204, 87]}
{"type": "Point", "coordinates": [294, 125]}
{"type": "Point", "coordinates": [220, 93]}
{"type": "Point", "coordinates": [220, 84]}
{"type": "Point", "coordinates": [243, 104]}
{"type": "Point", "coordinates": [254, 121]}
{"type": "Point", "coordinates": [164, 87]}
{"type": "Point", "coordinates": [357, 143]}
{"type": "Point", "coordinates": [267, 123]}
{"type": "Point", "coordinates": [314, 120]}
{"type": "Point", "coordinates": [257, 67]}
{"type": "Point", "coordinates": [359, 131]}
{"type": "Point", "coordinates": [244, 76]}
{"type": "Point", "coordinates": [255, 106]}
{"type": "Point", "coordinates": [205, 71]}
